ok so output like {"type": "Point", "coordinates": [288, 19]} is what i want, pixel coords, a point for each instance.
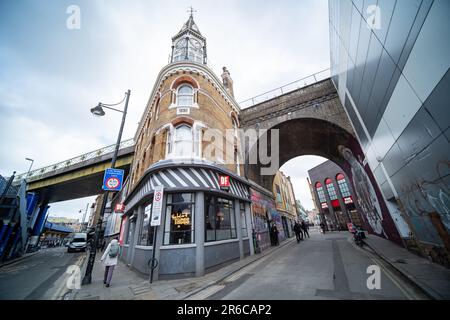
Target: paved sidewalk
{"type": "Point", "coordinates": [433, 278]}
{"type": "Point", "coordinates": [127, 284]}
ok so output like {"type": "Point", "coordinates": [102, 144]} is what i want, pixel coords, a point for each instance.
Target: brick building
{"type": "Point", "coordinates": [333, 196]}
{"type": "Point", "coordinates": [181, 145]}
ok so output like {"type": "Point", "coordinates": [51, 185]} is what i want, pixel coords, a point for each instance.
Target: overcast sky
{"type": "Point", "coordinates": [50, 76]}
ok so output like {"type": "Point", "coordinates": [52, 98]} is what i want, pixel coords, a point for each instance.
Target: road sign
{"type": "Point", "coordinates": [157, 206]}
{"type": "Point", "coordinates": [112, 180]}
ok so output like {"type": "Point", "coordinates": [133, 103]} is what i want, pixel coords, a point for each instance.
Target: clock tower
{"type": "Point", "coordinates": [189, 44]}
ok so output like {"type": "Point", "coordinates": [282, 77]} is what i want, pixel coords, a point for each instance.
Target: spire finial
{"type": "Point", "coordinates": [191, 11]}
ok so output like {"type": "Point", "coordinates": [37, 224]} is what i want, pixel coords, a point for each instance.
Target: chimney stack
{"type": "Point", "coordinates": [227, 81]}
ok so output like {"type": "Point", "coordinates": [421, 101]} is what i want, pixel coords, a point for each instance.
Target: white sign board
{"type": "Point", "coordinates": [157, 206]}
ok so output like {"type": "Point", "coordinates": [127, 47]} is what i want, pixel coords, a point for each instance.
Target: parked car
{"type": "Point", "coordinates": [77, 243]}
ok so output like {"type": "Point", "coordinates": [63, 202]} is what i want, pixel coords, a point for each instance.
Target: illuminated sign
{"type": "Point", "coordinates": [324, 205]}
{"type": "Point", "coordinates": [181, 219]}
{"type": "Point", "coordinates": [348, 200]}
{"type": "Point", "coordinates": [335, 203]}
{"type": "Point", "coordinates": [224, 182]}
{"type": "Point", "coordinates": [120, 208]}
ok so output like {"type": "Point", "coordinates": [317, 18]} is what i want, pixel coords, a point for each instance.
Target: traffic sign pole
{"type": "Point", "coordinates": [153, 266]}
{"type": "Point", "coordinates": [88, 275]}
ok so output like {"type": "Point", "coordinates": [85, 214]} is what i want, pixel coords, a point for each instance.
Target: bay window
{"type": "Point", "coordinates": [146, 231]}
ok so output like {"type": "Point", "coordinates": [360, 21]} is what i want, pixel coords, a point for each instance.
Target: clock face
{"type": "Point", "coordinates": [181, 44]}
{"type": "Point", "coordinates": [196, 44]}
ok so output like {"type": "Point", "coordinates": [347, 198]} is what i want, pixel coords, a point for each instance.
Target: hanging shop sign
{"type": "Point", "coordinates": [224, 182]}
{"type": "Point", "coordinates": [119, 208]}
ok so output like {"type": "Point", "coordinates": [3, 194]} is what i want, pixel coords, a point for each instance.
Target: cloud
{"type": "Point", "coordinates": [51, 76]}
{"type": "Point", "coordinates": [297, 170]}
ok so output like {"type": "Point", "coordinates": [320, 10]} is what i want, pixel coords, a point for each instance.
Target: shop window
{"type": "Point", "coordinates": [179, 224]}
{"type": "Point", "coordinates": [243, 220]}
{"type": "Point", "coordinates": [130, 230]}
{"type": "Point", "coordinates": [146, 232]}
{"type": "Point", "coordinates": [219, 219]}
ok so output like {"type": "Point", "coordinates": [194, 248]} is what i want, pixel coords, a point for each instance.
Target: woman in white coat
{"type": "Point", "coordinates": [109, 260]}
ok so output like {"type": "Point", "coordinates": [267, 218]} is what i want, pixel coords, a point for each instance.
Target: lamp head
{"type": "Point", "coordinates": [98, 111]}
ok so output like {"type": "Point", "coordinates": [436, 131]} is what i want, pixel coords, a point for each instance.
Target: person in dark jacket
{"type": "Point", "coordinates": [305, 229]}
{"type": "Point", "coordinates": [274, 231]}
{"type": "Point", "coordinates": [298, 231]}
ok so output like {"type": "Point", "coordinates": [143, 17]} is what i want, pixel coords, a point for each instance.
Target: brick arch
{"type": "Point", "coordinates": [182, 120]}
{"type": "Point", "coordinates": [311, 136]}
{"type": "Point", "coordinates": [183, 80]}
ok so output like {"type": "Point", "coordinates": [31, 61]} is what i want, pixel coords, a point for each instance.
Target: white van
{"type": "Point", "coordinates": [78, 242]}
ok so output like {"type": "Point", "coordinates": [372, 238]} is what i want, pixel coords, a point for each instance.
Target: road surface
{"type": "Point", "coordinates": [41, 276]}
{"type": "Point", "coordinates": [326, 266]}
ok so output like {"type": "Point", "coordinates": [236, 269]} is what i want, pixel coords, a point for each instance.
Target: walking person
{"type": "Point", "coordinates": [109, 259]}
{"type": "Point", "coordinates": [322, 226]}
{"type": "Point", "coordinates": [298, 231]}
{"type": "Point", "coordinates": [305, 228]}
{"type": "Point", "coordinates": [275, 235]}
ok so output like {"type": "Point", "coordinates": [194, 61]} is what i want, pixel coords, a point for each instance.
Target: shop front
{"type": "Point", "coordinates": [263, 210]}
{"type": "Point", "coordinates": [203, 224]}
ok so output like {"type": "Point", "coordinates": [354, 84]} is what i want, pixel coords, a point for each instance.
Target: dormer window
{"type": "Point", "coordinates": [185, 96]}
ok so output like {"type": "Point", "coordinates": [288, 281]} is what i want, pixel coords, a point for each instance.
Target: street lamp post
{"type": "Point", "coordinates": [98, 111]}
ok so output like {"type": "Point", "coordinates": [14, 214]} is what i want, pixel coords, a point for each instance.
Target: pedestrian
{"type": "Point", "coordinates": [109, 259]}
{"type": "Point", "coordinates": [322, 226]}
{"type": "Point", "coordinates": [275, 235]}
{"type": "Point", "coordinates": [305, 228]}
{"type": "Point", "coordinates": [298, 231]}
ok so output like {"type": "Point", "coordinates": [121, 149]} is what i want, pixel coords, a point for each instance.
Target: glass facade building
{"type": "Point", "coordinates": [390, 64]}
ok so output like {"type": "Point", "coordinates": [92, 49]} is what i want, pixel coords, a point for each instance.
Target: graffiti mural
{"type": "Point", "coordinates": [367, 198]}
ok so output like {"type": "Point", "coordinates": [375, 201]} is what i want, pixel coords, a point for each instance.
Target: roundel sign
{"type": "Point", "coordinates": [112, 180]}
{"type": "Point", "coordinates": [112, 183]}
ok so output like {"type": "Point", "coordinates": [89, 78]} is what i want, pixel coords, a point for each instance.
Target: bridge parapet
{"type": "Point", "coordinates": [92, 156]}
{"type": "Point", "coordinates": [293, 86]}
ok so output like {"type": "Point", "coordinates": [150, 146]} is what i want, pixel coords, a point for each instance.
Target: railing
{"type": "Point", "coordinates": [303, 82]}
{"type": "Point", "coordinates": [36, 174]}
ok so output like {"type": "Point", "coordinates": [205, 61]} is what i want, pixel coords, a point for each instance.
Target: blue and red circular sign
{"type": "Point", "coordinates": [112, 180]}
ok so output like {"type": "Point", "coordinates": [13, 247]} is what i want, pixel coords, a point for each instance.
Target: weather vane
{"type": "Point", "coordinates": [191, 10]}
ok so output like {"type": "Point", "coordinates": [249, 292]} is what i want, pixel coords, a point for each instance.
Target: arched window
{"type": "Point", "coordinates": [320, 192]}
{"type": "Point", "coordinates": [343, 186]}
{"type": "Point", "coordinates": [185, 96]}
{"type": "Point", "coordinates": [330, 189]}
{"type": "Point", "coordinates": [183, 141]}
